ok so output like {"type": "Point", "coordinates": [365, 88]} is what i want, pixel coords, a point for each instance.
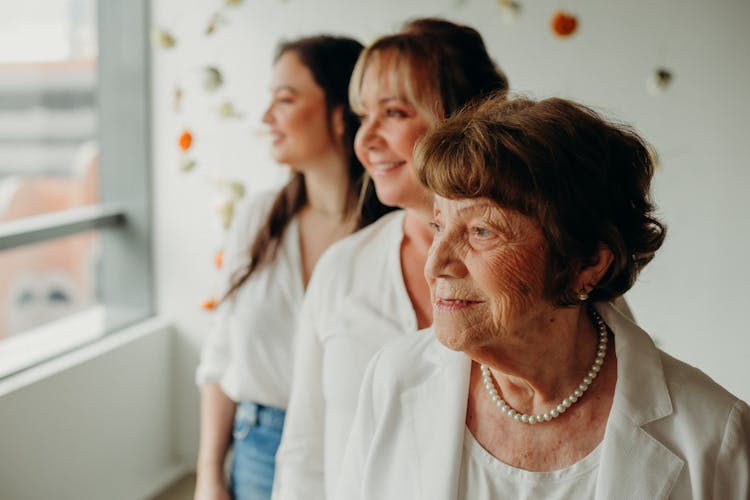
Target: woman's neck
{"type": "Point", "coordinates": [327, 186]}
{"type": "Point", "coordinates": [544, 364]}
{"type": "Point", "coordinates": [414, 248]}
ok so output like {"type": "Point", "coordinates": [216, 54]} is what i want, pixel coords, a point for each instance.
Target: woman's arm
{"type": "Point", "coordinates": [300, 471]}
{"type": "Point", "coordinates": [350, 485]}
{"type": "Point", "coordinates": [217, 415]}
{"type": "Point", "coordinates": [732, 470]}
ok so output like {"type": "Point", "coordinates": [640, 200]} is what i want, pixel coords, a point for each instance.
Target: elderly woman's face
{"type": "Point", "coordinates": [486, 273]}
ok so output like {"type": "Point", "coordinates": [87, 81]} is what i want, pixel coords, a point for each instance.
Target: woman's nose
{"type": "Point", "coordinates": [368, 133]}
{"type": "Point", "coordinates": [444, 258]}
{"type": "Point", "coordinates": [267, 117]}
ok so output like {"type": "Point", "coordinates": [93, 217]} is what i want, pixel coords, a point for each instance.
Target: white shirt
{"type": "Point", "coordinates": [672, 432]}
{"type": "Point", "coordinates": [356, 302]}
{"type": "Point", "coordinates": [484, 477]}
{"type": "Point", "coordinates": [249, 352]}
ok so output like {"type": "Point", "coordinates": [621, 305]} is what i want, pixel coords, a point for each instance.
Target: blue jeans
{"type": "Point", "coordinates": [257, 433]}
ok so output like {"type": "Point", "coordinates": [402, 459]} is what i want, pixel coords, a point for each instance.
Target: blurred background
{"type": "Point", "coordinates": [149, 113]}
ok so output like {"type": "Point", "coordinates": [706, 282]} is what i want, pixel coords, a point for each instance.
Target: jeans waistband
{"type": "Point", "coordinates": [257, 414]}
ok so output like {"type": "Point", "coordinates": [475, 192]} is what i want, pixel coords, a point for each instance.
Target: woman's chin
{"type": "Point", "coordinates": [452, 336]}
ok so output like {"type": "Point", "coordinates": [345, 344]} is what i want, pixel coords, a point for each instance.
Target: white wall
{"type": "Point", "coordinates": [95, 423]}
{"type": "Point", "coordinates": [691, 298]}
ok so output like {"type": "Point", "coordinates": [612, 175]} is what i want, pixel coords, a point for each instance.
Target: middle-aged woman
{"type": "Point", "coordinates": [273, 246]}
{"type": "Point", "coordinates": [370, 288]}
{"type": "Point", "coordinates": [534, 386]}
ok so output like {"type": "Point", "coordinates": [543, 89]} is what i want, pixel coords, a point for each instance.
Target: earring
{"type": "Point", "coordinates": [582, 295]}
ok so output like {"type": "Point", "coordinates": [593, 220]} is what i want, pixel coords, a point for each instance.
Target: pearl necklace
{"type": "Point", "coordinates": [567, 402]}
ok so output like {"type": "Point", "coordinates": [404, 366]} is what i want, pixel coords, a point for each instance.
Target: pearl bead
{"type": "Point", "coordinates": [565, 403]}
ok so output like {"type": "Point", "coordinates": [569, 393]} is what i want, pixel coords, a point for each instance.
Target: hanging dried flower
{"type": "Point", "coordinates": [186, 140]}
{"type": "Point", "coordinates": [177, 100]}
{"type": "Point", "coordinates": [212, 78]}
{"type": "Point", "coordinates": [236, 190]}
{"type": "Point", "coordinates": [510, 10]}
{"type": "Point", "coordinates": [216, 20]}
{"type": "Point", "coordinates": [564, 24]}
{"type": "Point", "coordinates": [209, 304]}
{"type": "Point", "coordinates": [659, 81]}
{"type": "Point", "coordinates": [187, 164]}
{"type": "Point", "coordinates": [162, 38]}
{"type": "Point", "coordinates": [225, 209]}
{"type": "Point", "coordinates": [227, 110]}
{"type": "Point", "coordinates": [233, 3]}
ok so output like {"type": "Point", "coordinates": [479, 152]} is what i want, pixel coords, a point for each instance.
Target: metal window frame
{"type": "Point", "coordinates": [125, 216]}
{"type": "Point", "coordinates": [127, 273]}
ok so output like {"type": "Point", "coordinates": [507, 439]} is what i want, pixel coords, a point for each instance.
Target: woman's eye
{"type": "Point", "coordinates": [394, 113]}
{"type": "Point", "coordinates": [481, 232]}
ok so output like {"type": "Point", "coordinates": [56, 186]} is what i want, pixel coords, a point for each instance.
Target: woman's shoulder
{"type": "Point", "coordinates": [410, 359]}
{"type": "Point", "coordinates": [363, 250]}
{"type": "Point", "coordinates": [689, 386]}
{"type": "Point", "coordinates": [384, 232]}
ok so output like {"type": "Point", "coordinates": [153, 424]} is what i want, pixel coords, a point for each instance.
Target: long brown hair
{"type": "Point", "coordinates": [331, 60]}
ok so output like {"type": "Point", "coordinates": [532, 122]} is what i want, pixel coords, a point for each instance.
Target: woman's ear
{"type": "Point", "coordinates": [337, 122]}
{"type": "Point", "coordinates": [590, 275]}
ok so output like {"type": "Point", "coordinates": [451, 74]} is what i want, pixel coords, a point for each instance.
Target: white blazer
{"type": "Point", "coordinates": [672, 432]}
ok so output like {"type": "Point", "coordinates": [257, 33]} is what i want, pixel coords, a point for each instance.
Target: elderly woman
{"type": "Point", "coordinates": [533, 385]}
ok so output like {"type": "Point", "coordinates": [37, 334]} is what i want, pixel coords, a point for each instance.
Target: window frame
{"type": "Point", "coordinates": [124, 217]}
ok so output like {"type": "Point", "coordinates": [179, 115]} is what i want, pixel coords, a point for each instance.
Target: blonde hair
{"type": "Point", "coordinates": [439, 66]}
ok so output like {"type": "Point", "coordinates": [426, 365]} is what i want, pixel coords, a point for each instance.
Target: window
{"type": "Point", "coordinates": [75, 238]}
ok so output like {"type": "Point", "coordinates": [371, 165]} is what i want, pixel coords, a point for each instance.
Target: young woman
{"type": "Point", "coordinates": [370, 287]}
{"type": "Point", "coordinates": [245, 369]}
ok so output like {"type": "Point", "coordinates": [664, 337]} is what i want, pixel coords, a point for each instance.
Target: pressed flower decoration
{"type": "Point", "coordinates": [212, 78]}
{"type": "Point", "coordinates": [162, 38]}
{"type": "Point", "coordinates": [510, 10]}
{"type": "Point", "coordinates": [186, 140]}
{"type": "Point", "coordinates": [209, 304]}
{"type": "Point", "coordinates": [227, 110]}
{"type": "Point", "coordinates": [564, 24]}
{"type": "Point", "coordinates": [659, 81]}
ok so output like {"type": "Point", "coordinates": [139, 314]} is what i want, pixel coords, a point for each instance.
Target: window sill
{"type": "Point", "coordinates": [63, 344]}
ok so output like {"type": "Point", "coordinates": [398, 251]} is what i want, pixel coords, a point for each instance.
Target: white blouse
{"type": "Point", "coordinates": [484, 477]}
{"type": "Point", "coordinates": [356, 302]}
{"type": "Point", "coordinates": [249, 352]}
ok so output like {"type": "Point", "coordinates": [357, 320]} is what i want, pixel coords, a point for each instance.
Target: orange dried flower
{"type": "Point", "coordinates": [564, 24]}
{"type": "Point", "coordinates": [186, 139]}
{"type": "Point", "coordinates": [209, 304]}
{"type": "Point", "coordinates": [219, 259]}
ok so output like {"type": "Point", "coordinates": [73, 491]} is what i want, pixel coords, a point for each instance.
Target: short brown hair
{"type": "Point", "coordinates": [440, 66]}
{"type": "Point", "coordinates": [585, 180]}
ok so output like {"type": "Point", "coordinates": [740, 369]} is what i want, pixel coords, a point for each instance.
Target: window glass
{"type": "Point", "coordinates": [49, 158]}
{"type": "Point", "coordinates": [48, 129]}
